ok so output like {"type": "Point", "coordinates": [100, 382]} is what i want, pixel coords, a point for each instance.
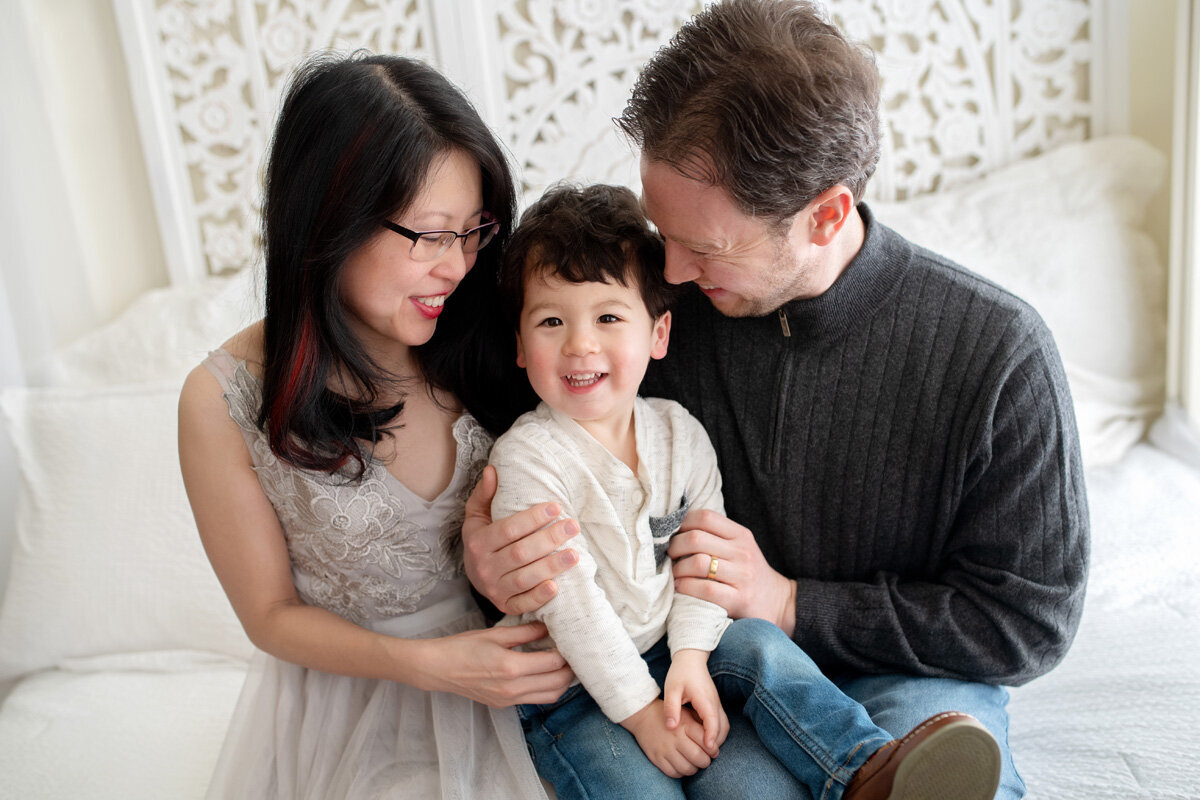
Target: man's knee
{"type": "Point", "coordinates": [752, 635]}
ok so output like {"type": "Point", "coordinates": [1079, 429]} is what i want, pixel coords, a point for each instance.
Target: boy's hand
{"type": "Point", "coordinates": [688, 681]}
{"type": "Point", "coordinates": [676, 751]}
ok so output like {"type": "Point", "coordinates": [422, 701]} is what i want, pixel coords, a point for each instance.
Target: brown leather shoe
{"type": "Point", "coordinates": [949, 756]}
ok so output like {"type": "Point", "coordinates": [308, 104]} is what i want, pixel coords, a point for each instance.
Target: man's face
{"type": "Point", "coordinates": [745, 268]}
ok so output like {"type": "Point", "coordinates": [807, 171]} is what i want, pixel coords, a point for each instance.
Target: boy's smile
{"type": "Point", "coordinates": [585, 348]}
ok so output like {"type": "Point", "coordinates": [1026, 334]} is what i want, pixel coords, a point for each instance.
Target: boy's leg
{"type": "Point", "coordinates": [585, 755]}
{"type": "Point", "coordinates": [898, 702]}
{"type": "Point", "coordinates": [744, 769]}
{"type": "Point", "coordinates": [811, 726]}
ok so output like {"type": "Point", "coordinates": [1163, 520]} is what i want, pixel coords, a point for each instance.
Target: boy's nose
{"type": "Point", "coordinates": [580, 343]}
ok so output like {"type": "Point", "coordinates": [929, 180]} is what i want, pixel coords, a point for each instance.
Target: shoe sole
{"type": "Point", "coordinates": [960, 761]}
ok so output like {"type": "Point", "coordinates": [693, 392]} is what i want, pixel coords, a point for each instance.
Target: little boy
{"type": "Point", "coordinates": [583, 279]}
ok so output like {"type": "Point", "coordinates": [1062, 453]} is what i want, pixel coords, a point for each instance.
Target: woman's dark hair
{"type": "Point", "coordinates": [354, 143]}
{"type": "Point", "coordinates": [764, 98]}
{"type": "Point", "coordinates": [586, 234]}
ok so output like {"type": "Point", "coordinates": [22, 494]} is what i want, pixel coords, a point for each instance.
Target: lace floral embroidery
{"type": "Point", "coordinates": [353, 548]}
{"type": "Point", "coordinates": [474, 447]}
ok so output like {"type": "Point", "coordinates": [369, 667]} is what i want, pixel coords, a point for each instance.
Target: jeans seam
{"type": "Point", "coordinates": [792, 727]}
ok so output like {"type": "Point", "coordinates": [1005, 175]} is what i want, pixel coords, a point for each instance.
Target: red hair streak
{"type": "Point", "coordinates": [299, 385]}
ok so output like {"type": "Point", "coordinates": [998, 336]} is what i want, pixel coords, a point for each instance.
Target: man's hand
{"type": "Point", "coordinates": [512, 561]}
{"type": "Point", "coordinates": [744, 584]}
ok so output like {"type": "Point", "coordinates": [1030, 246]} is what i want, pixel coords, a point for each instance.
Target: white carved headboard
{"type": "Point", "coordinates": [968, 85]}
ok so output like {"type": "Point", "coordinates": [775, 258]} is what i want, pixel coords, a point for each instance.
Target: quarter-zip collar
{"type": "Point", "coordinates": [870, 278]}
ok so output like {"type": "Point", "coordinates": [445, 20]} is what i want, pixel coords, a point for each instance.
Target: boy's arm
{"type": "Point", "coordinates": [694, 623]}
{"type": "Point", "coordinates": [581, 620]}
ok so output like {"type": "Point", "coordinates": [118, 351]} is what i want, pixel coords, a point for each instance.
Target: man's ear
{"type": "Point", "coordinates": [520, 352]}
{"type": "Point", "coordinates": [660, 335]}
{"type": "Point", "coordinates": [829, 212]}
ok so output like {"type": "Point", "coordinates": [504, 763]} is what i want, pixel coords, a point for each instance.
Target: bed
{"type": "Point", "coordinates": [119, 654]}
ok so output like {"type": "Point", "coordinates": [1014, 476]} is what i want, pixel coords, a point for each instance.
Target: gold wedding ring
{"type": "Point", "coordinates": [712, 568]}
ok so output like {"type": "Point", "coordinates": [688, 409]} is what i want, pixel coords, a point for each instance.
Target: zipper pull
{"type": "Point", "coordinates": [783, 323]}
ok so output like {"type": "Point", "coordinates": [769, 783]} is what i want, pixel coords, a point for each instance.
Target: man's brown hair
{"type": "Point", "coordinates": [765, 98]}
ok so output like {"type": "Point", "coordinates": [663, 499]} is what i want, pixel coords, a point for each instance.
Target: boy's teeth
{"type": "Point", "coordinates": [583, 379]}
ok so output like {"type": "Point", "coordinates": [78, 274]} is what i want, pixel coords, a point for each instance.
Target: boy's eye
{"type": "Point", "coordinates": [550, 322]}
{"type": "Point", "coordinates": [609, 318]}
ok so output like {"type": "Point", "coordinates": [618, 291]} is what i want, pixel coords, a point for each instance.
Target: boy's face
{"type": "Point", "coordinates": [585, 346]}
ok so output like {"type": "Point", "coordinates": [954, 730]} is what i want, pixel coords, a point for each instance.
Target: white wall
{"type": "Point", "coordinates": [1152, 83]}
{"type": "Point", "coordinates": [79, 70]}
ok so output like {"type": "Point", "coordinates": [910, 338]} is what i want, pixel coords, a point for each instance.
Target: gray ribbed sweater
{"type": "Point", "coordinates": [908, 454]}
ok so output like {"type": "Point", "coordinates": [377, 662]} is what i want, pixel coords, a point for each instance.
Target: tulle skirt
{"type": "Point", "coordinates": [301, 734]}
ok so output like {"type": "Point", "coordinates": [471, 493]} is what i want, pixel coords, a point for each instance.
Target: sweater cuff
{"type": "Point", "coordinates": [629, 700]}
{"type": "Point", "coordinates": [698, 638]}
{"type": "Point", "coordinates": [695, 624]}
{"type": "Point", "coordinates": [813, 616]}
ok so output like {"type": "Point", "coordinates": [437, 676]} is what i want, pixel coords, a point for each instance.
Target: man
{"type": "Point", "coordinates": [895, 434]}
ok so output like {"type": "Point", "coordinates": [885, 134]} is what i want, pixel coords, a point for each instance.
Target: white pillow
{"type": "Point", "coordinates": [107, 558]}
{"type": "Point", "coordinates": [163, 334]}
{"type": "Point", "coordinates": [1062, 230]}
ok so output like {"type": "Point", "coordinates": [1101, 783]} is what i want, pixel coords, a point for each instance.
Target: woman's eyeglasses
{"type": "Point", "coordinates": [428, 245]}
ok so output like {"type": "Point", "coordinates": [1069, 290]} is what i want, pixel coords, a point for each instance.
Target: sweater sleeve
{"type": "Point", "coordinates": [694, 623]}
{"type": "Point", "coordinates": [581, 620]}
{"type": "Point", "coordinates": [1005, 601]}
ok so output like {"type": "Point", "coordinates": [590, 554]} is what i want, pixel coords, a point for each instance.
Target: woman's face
{"type": "Point", "coordinates": [393, 299]}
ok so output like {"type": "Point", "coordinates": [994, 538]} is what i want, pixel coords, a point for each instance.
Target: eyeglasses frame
{"type": "Point", "coordinates": [415, 236]}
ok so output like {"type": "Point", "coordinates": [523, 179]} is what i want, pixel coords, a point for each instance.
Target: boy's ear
{"type": "Point", "coordinates": [660, 336]}
{"type": "Point", "coordinates": [520, 352]}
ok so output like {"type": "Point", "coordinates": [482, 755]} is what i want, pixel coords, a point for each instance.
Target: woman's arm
{"type": "Point", "coordinates": [245, 544]}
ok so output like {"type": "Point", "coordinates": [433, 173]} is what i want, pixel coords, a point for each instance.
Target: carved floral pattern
{"type": "Point", "coordinates": [969, 85]}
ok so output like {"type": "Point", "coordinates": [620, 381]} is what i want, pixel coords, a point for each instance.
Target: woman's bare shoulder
{"type": "Point", "coordinates": [247, 345]}
{"type": "Point", "coordinates": [202, 394]}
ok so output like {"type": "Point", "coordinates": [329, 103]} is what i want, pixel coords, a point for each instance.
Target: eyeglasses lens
{"type": "Point", "coordinates": [429, 246]}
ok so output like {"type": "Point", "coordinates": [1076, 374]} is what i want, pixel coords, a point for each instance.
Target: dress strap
{"type": "Point", "coordinates": [241, 390]}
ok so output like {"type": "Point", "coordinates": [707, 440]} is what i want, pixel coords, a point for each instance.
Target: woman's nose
{"type": "Point", "coordinates": [454, 263]}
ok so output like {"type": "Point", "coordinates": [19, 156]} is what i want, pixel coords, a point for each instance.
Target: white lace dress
{"type": "Point", "coordinates": [378, 555]}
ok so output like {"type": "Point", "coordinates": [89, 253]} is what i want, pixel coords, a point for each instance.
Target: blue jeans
{"type": "Point", "coordinates": [897, 703]}
{"type": "Point", "coordinates": [784, 710]}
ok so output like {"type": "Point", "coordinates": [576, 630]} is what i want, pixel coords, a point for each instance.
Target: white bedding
{"type": "Point", "coordinates": [118, 731]}
{"type": "Point", "coordinates": [1118, 719]}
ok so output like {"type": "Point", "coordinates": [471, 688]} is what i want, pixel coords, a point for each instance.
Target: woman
{"type": "Point", "coordinates": [327, 457]}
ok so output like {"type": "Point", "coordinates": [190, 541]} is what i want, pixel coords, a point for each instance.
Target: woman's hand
{"type": "Point", "coordinates": [512, 561]}
{"type": "Point", "coordinates": [483, 666]}
{"type": "Point", "coordinates": [744, 584]}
